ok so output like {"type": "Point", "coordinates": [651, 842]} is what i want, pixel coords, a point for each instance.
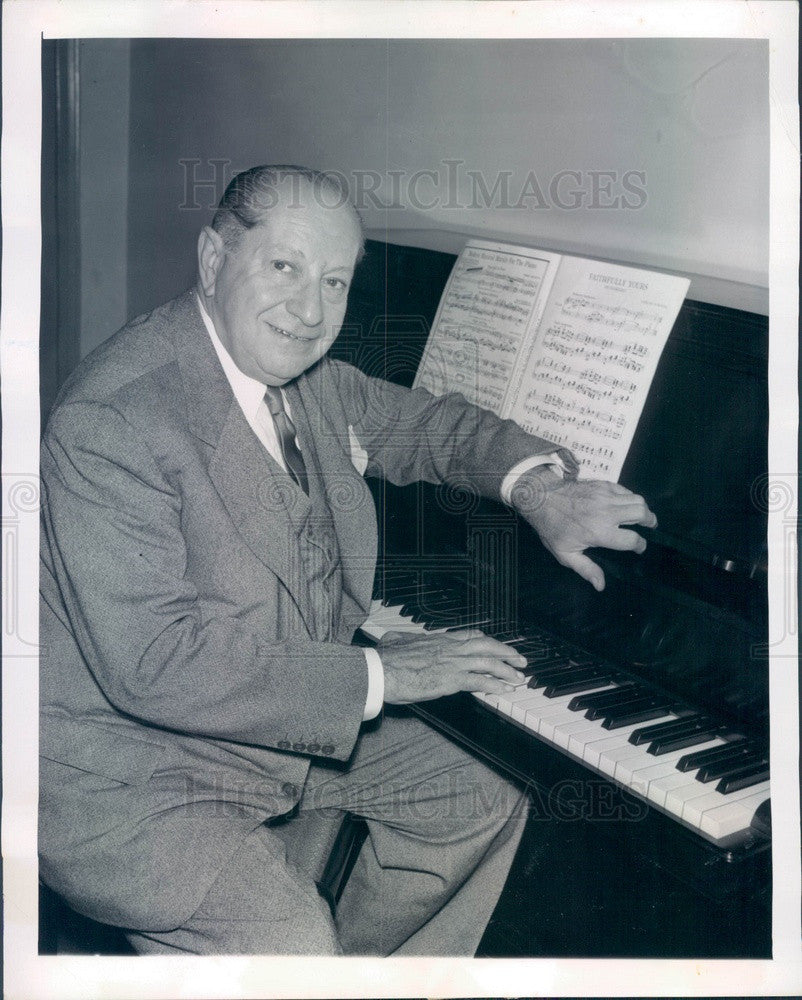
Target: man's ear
{"type": "Point", "coordinates": [211, 253]}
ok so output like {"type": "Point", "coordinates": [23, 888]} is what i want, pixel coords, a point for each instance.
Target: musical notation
{"type": "Point", "coordinates": [566, 347]}
{"type": "Point", "coordinates": [586, 379]}
{"type": "Point", "coordinates": [484, 317]}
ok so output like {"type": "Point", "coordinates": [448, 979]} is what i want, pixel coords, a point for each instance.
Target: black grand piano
{"type": "Point", "coordinates": [613, 863]}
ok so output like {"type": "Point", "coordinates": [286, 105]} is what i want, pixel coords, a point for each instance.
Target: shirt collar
{"type": "Point", "coordinates": [248, 392]}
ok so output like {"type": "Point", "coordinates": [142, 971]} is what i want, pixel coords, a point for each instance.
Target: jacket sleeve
{"type": "Point", "coordinates": [409, 434]}
{"type": "Point", "coordinates": [112, 538]}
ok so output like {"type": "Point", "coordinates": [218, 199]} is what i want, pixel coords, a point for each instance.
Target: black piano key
{"type": "Point", "coordinates": [538, 676]}
{"type": "Point", "coordinates": [563, 650]}
{"type": "Point", "coordinates": [401, 595]}
{"type": "Point", "coordinates": [735, 769]}
{"type": "Point", "coordinates": [729, 765]}
{"type": "Point", "coordinates": [505, 635]}
{"type": "Point", "coordinates": [552, 655]}
{"type": "Point", "coordinates": [583, 701]}
{"type": "Point", "coordinates": [455, 616]}
{"type": "Point", "coordinates": [428, 607]}
{"type": "Point", "coordinates": [442, 602]}
{"type": "Point", "coordinates": [575, 683]}
{"type": "Point", "coordinates": [540, 673]}
{"type": "Point", "coordinates": [744, 780]}
{"type": "Point", "coordinates": [613, 700]}
{"type": "Point", "coordinates": [674, 727]}
{"type": "Point", "coordinates": [581, 660]}
{"type": "Point", "coordinates": [573, 652]}
{"type": "Point", "coordinates": [576, 673]}
{"type": "Point", "coordinates": [531, 650]}
{"type": "Point", "coordinates": [538, 646]}
{"type": "Point", "coordinates": [670, 744]}
{"type": "Point", "coordinates": [392, 593]}
{"type": "Point", "coordinates": [636, 711]}
{"type": "Point", "coordinates": [456, 622]}
{"type": "Point", "coordinates": [691, 761]}
{"type": "Point", "coordinates": [553, 665]}
{"type": "Point", "coordinates": [539, 635]}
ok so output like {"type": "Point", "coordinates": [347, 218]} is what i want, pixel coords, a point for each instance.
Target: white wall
{"type": "Point", "coordinates": [691, 115]}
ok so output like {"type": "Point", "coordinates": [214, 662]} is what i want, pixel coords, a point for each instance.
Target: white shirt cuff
{"type": "Point", "coordinates": [375, 699]}
{"type": "Point", "coordinates": [551, 458]}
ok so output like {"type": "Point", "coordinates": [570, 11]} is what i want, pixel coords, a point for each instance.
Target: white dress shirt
{"type": "Point", "coordinates": [250, 395]}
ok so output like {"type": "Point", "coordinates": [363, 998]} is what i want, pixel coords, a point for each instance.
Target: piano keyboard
{"type": "Point", "coordinates": [708, 778]}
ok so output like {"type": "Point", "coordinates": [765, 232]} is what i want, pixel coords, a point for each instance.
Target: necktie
{"type": "Point", "coordinates": [285, 430]}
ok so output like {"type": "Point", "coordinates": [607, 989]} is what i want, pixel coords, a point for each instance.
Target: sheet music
{"type": "Point", "coordinates": [494, 297]}
{"type": "Point", "coordinates": [588, 372]}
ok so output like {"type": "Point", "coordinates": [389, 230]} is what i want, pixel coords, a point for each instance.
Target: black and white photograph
{"type": "Point", "coordinates": [400, 496]}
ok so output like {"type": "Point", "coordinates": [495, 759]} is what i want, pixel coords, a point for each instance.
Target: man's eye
{"type": "Point", "coordinates": [337, 284]}
{"type": "Point", "coordinates": [282, 265]}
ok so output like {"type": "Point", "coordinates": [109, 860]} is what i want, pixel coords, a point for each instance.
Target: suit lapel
{"type": "Point", "coordinates": [208, 394]}
{"type": "Point", "coordinates": [258, 495]}
{"type": "Point", "coordinates": [348, 497]}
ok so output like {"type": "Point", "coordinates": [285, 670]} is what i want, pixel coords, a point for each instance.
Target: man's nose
{"type": "Point", "coordinates": [307, 304]}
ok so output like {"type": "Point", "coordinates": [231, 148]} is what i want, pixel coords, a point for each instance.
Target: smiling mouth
{"type": "Point", "coordinates": [290, 336]}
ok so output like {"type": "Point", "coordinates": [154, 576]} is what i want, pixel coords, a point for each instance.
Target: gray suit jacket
{"type": "Point", "coordinates": [188, 672]}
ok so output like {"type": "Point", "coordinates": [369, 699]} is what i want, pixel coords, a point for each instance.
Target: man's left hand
{"type": "Point", "coordinates": [573, 515]}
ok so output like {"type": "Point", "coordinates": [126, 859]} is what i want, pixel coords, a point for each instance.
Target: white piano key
{"type": "Point", "coordinates": [630, 770]}
{"type": "Point", "coordinates": [608, 740]}
{"type": "Point", "coordinates": [545, 714]}
{"type": "Point", "coordinates": [552, 713]}
{"type": "Point", "coordinates": [639, 780]}
{"type": "Point", "coordinates": [711, 799]}
{"type": "Point", "coordinates": [609, 752]}
{"type": "Point", "coordinates": [548, 724]}
{"type": "Point", "coordinates": [610, 759]}
{"type": "Point", "coordinates": [725, 820]}
{"type": "Point", "coordinates": [660, 787]}
{"type": "Point", "coordinates": [510, 699]}
{"type": "Point", "coordinates": [524, 698]}
{"type": "Point", "coordinates": [580, 728]}
{"type": "Point", "coordinates": [683, 795]}
{"type": "Point", "coordinates": [505, 700]}
{"type": "Point", "coordinates": [520, 707]}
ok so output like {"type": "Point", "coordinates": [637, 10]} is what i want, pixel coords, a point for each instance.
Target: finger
{"type": "Point", "coordinates": [496, 668]}
{"type": "Point", "coordinates": [603, 490]}
{"type": "Point", "coordinates": [624, 540]}
{"type": "Point", "coordinates": [634, 511]}
{"type": "Point", "coordinates": [620, 494]}
{"type": "Point", "coordinates": [485, 683]}
{"type": "Point", "coordinates": [488, 647]}
{"type": "Point", "coordinates": [630, 514]}
{"type": "Point", "coordinates": [462, 633]}
{"type": "Point", "coordinates": [585, 567]}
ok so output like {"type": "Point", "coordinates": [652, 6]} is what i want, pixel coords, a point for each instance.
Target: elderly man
{"type": "Point", "coordinates": [208, 547]}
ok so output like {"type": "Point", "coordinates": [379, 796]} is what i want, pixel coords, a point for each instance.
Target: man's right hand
{"type": "Point", "coordinates": [422, 667]}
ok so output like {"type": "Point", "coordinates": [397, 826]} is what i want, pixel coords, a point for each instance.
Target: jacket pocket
{"type": "Point", "coordinates": [100, 751]}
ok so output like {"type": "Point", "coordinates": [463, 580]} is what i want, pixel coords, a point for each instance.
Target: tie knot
{"type": "Point", "coordinates": [273, 400]}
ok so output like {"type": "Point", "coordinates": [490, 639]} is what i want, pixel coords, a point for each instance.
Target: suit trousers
{"type": "Point", "coordinates": [443, 832]}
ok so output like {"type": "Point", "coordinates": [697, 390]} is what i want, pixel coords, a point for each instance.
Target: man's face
{"type": "Point", "coordinates": [278, 300]}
